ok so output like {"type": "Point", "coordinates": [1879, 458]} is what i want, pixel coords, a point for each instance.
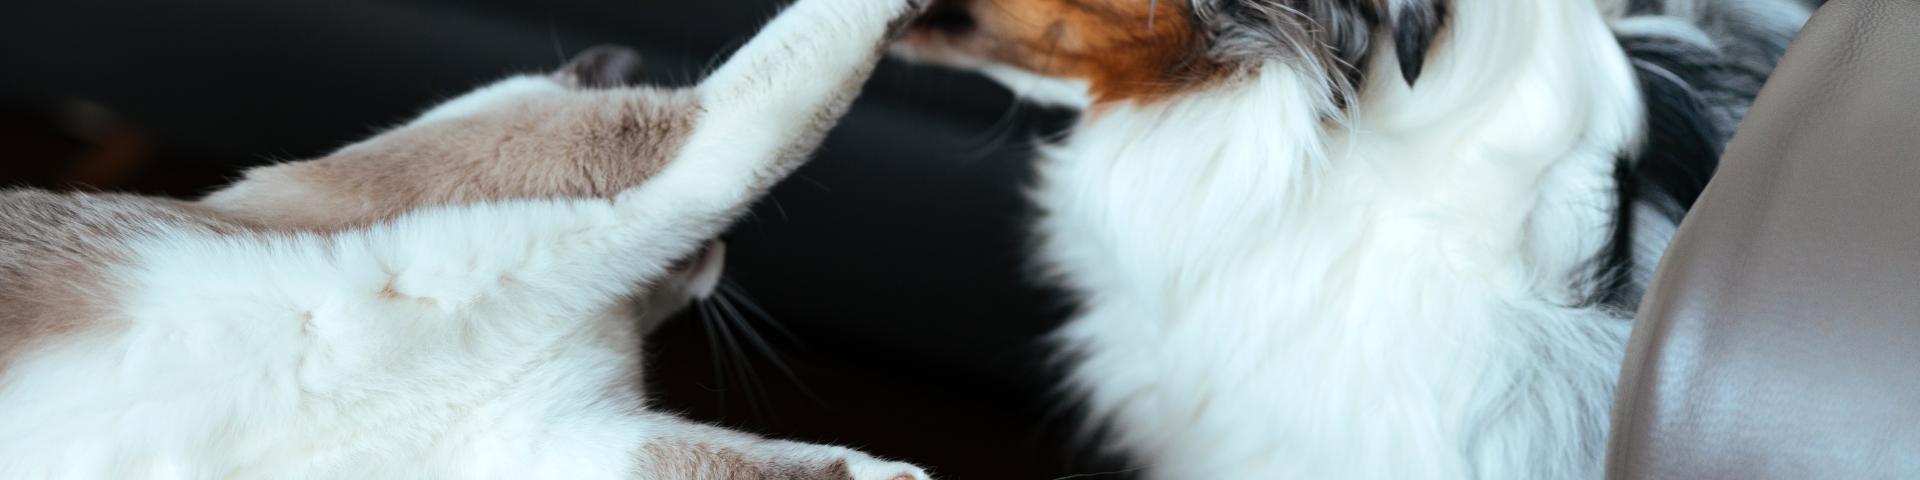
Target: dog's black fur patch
{"type": "Point", "coordinates": [1337, 34]}
{"type": "Point", "coordinates": [1695, 96]}
{"type": "Point", "coordinates": [1672, 166]}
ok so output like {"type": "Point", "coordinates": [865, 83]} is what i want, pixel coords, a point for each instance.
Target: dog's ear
{"type": "Point", "coordinates": [1415, 24]}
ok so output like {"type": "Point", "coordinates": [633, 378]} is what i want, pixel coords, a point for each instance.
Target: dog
{"type": "Point", "coordinates": [1362, 238]}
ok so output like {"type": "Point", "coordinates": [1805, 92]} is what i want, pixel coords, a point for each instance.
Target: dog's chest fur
{"type": "Point", "coordinates": [1265, 293]}
{"type": "Point", "coordinates": [1323, 324]}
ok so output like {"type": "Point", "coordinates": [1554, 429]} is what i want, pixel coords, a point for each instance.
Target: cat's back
{"type": "Point", "coordinates": [81, 223]}
{"type": "Point", "coordinates": [55, 251]}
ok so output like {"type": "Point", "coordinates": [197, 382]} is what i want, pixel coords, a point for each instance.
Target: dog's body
{"type": "Point", "coordinates": [1360, 239]}
{"type": "Point", "coordinates": [461, 297]}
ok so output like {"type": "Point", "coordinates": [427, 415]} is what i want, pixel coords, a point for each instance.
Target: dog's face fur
{"type": "Point", "coordinates": [1144, 50]}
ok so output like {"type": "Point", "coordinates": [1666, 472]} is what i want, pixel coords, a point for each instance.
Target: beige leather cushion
{"type": "Point", "coordinates": [1782, 339]}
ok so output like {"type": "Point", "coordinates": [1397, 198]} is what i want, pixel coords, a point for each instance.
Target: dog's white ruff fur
{"type": "Point", "coordinates": [1269, 294]}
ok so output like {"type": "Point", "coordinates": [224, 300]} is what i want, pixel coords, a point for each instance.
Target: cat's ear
{"type": "Point", "coordinates": [604, 66]}
{"type": "Point", "coordinates": [1415, 24]}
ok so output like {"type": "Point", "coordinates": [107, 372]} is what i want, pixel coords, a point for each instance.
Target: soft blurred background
{"type": "Point", "coordinates": [890, 270]}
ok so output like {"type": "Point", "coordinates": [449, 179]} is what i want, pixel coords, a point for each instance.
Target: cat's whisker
{"type": "Point", "coordinates": [743, 365]}
{"type": "Point", "coordinates": [1100, 474]}
{"type": "Point", "coordinates": [811, 181]}
{"type": "Point", "coordinates": [559, 52]}
{"type": "Point", "coordinates": [713, 351]}
{"type": "Point", "coordinates": [757, 385]}
{"type": "Point", "coordinates": [752, 307]}
{"type": "Point", "coordinates": [766, 348]}
{"type": "Point", "coordinates": [777, 206]}
{"type": "Point", "coordinates": [982, 145]}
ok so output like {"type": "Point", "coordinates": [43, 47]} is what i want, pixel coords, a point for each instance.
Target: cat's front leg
{"type": "Point", "coordinates": [535, 265]}
{"type": "Point", "coordinates": [766, 109]}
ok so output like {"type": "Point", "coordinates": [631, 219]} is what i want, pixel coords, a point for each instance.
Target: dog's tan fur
{"type": "Point", "coordinates": [1126, 50]}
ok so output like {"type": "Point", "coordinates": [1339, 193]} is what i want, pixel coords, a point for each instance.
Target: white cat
{"type": "Point", "coordinates": [461, 297]}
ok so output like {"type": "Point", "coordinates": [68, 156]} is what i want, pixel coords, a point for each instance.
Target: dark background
{"type": "Point", "coordinates": [895, 259]}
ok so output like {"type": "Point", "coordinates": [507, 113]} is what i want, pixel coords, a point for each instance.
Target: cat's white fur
{"type": "Point", "coordinates": [469, 341]}
{"type": "Point", "coordinates": [1267, 293]}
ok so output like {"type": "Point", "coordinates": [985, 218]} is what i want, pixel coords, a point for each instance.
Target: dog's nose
{"type": "Point", "coordinates": [604, 66]}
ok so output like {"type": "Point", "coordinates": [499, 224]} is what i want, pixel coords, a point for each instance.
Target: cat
{"type": "Point", "coordinates": [462, 296]}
